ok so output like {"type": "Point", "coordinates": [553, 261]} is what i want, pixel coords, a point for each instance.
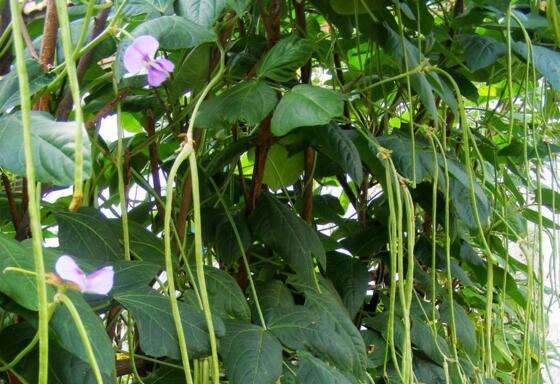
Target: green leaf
{"type": "Point", "coordinates": [150, 7]}
{"type": "Point", "coordinates": [301, 328]}
{"type": "Point", "coordinates": [19, 287]}
{"type": "Point", "coordinates": [133, 276]}
{"type": "Point", "coordinates": [303, 106]}
{"type": "Point", "coordinates": [288, 235]}
{"type": "Point", "coordinates": [352, 8]}
{"type": "Point", "coordinates": [350, 277]}
{"type": "Point", "coordinates": [331, 311]}
{"type": "Point", "coordinates": [172, 32]}
{"type": "Point", "coordinates": [481, 51]}
{"type": "Point", "coordinates": [533, 216]}
{"type": "Point", "coordinates": [251, 354]}
{"type": "Point", "coordinates": [158, 336]}
{"type": "Point", "coordinates": [63, 329]}
{"type": "Point", "coordinates": [464, 326]}
{"type": "Point", "coordinates": [225, 296]}
{"type": "Point", "coordinates": [144, 245]}
{"type": "Point", "coordinates": [239, 6]}
{"type": "Point", "coordinates": [314, 371]}
{"type": "Point", "coordinates": [87, 234]}
{"type": "Point", "coordinates": [202, 12]}
{"type": "Point", "coordinates": [337, 145]}
{"type": "Point", "coordinates": [281, 168]}
{"type": "Point", "coordinates": [9, 86]}
{"type": "Point", "coordinates": [248, 102]}
{"type": "Point", "coordinates": [284, 58]}
{"type": "Point", "coordinates": [274, 295]}
{"type": "Point", "coordinates": [53, 148]}
{"type": "Point", "coordinates": [225, 243]}
{"type": "Point", "coordinates": [64, 367]}
{"type": "Point", "coordinates": [545, 60]}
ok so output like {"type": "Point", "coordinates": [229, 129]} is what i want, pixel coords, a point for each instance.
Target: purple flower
{"type": "Point", "coordinates": [99, 281]}
{"type": "Point", "coordinates": [140, 56]}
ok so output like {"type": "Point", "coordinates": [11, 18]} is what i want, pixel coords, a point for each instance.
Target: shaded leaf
{"type": "Point", "coordinates": [284, 58]}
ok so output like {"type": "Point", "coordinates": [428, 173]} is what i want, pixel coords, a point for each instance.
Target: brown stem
{"type": "Point", "coordinates": [264, 141]}
{"type": "Point", "coordinates": [28, 41]}
{"type": "Point", "coordinates": [106, 109]}
{"type": "Point", "coordinates": [240, 166]}
{"type": "Point", "coordinates": [48, 48]}
{"type": "Point", "coordinates": [154, 160]}
{"type": "Point", "coordinates": [12, 206]}
{"type": "Point", "coordinates": [65, 105]}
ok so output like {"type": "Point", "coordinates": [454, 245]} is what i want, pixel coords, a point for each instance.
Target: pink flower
{"type": "Point", "coordinates": [99, 281]}
{"type": "Point", "coordinates": [140, 56]}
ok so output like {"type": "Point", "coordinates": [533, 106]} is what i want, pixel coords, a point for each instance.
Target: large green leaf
{"type": "Point", "coordinates": [481, 51]}
{"type": "Point", "coordinates": [133, 276]}
{"type": "Point", "coordinates": [172, 32]}
{"type": "Point", "coordinates": [314, 371]}
{"type": "Point", "coordinates": [282, 168]}
{"type": "Point", "coordinates": [251, 354]}
{"type": "Point", "coordinates": [9, 86]}
{"type": "Point", "coordinates": [303, 106]}
{"type": "Point", "coordinates": [64, 367]}
{"type": "Point", "coordinates": [288, 235]}
{"type": "Point", "coordinates": [144, 245]}
{"type": "Point", "coordinates": [331, 311]}
{"type": "Point", "coordinates": [149, 7]}
{"type": "Point", "coordinates": [302, 328]}
{"type": "Point", "coordinates": [284, 58]}
{"type": "Point", "coordinates": [463, 325]}
{"type": "Point", "coordinates": [545, 60]}
{"type": "Point", "coordinates": [248, 102]}
{"type": "Point", "coordinates": [350, 277]}
{"type": "Point", "coordinates": [158, 336]}
{"type": "Point", "coordinates": [337, 145]}
{"type": "Point", "coordinates": [202, 12]}
{"type": "Point", "coordinates": [226, 244]}
{"type": "Point", "coordinates": [62, 327]}
{"type": "Point", "coordinates": [225, 296]}
{"type": "Point", "coordinates": [53, 148]}
{"type": "Point", "coordinates": [87, 234]}
{"type": "Point", "coordinates": [19, 287]}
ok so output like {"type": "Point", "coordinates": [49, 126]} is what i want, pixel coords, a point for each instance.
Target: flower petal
{"type": "Point", "coordinates": [68, 270]}
{"type": "Point", "coordinates": [164, 64]}
{"type": "Point", "coordinates": [139, 53]}
{"type": "Point", "coordinates": [156, 76]}
{"type": "Point", "coordinates": [100, 281]}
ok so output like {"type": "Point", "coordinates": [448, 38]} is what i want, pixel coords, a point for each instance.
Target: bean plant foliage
{"type": "Point", "coordinates": [278, 191]}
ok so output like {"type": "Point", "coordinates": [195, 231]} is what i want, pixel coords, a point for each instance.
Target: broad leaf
{"type": "Point", "coordinates": [350, 277]}
{"type": "Point", "coordinates": [158, 336]}
{"type": "Point", "coordinates": [133, 276]}
{"type": "Point", "coordinates": [282, 168]}
{"type": "Point", "coordinates": [53, 148]}
{"type": "Point", "coordinates": [303, 106]}
{"type": "Point", "coordinates": [288, 235]}
{"type": "Point", "coordinates": [9, 86]}
{"type": "Point", "coordinates": [251, 354]}
{"type": "Point", "coordinates": [19, 287]}
{"type": "Point", "coordinates": [88, 235]}
{"type": "Point", "coordinates": [62, 327]}
{"type": "Point", "coordinates": [225, 296]}
{"type": "Point", "coordinates": [545, 60]}
{"type": "Point", "coordinates": [314, 371]}
{"type": "Point", "coordinates": [150, 7]}
{"type": "Point", "coordinates": [202, 12]}
{"type": "Point", "coordinates": [226, 244]}
{"type": "Point", "coordinates": [481, 51]}
{"type": "Point", "coordinates": [284, 58]}
{"type": "Point", "coordinates": [337, 145]}
{"type": "Point", "coordinates": [463, 325]}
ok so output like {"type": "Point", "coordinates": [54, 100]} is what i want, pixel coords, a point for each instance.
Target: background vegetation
{"type": "Point", "coordinates": [323, 191]}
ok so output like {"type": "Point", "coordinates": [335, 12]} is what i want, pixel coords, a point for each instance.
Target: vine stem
{"type": "Point", "coordinates": [183, 154]}
{"type": "Point", "coordinates": [187, 151]}
{"type": "Point", "coordinates": [481, 235]}
{"type": "Point", "coordinates": [62, 298]}
{"type": "Point", "coordinates": [75, 91]}
{"type": "Point", "coordinates": [34, 214]}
